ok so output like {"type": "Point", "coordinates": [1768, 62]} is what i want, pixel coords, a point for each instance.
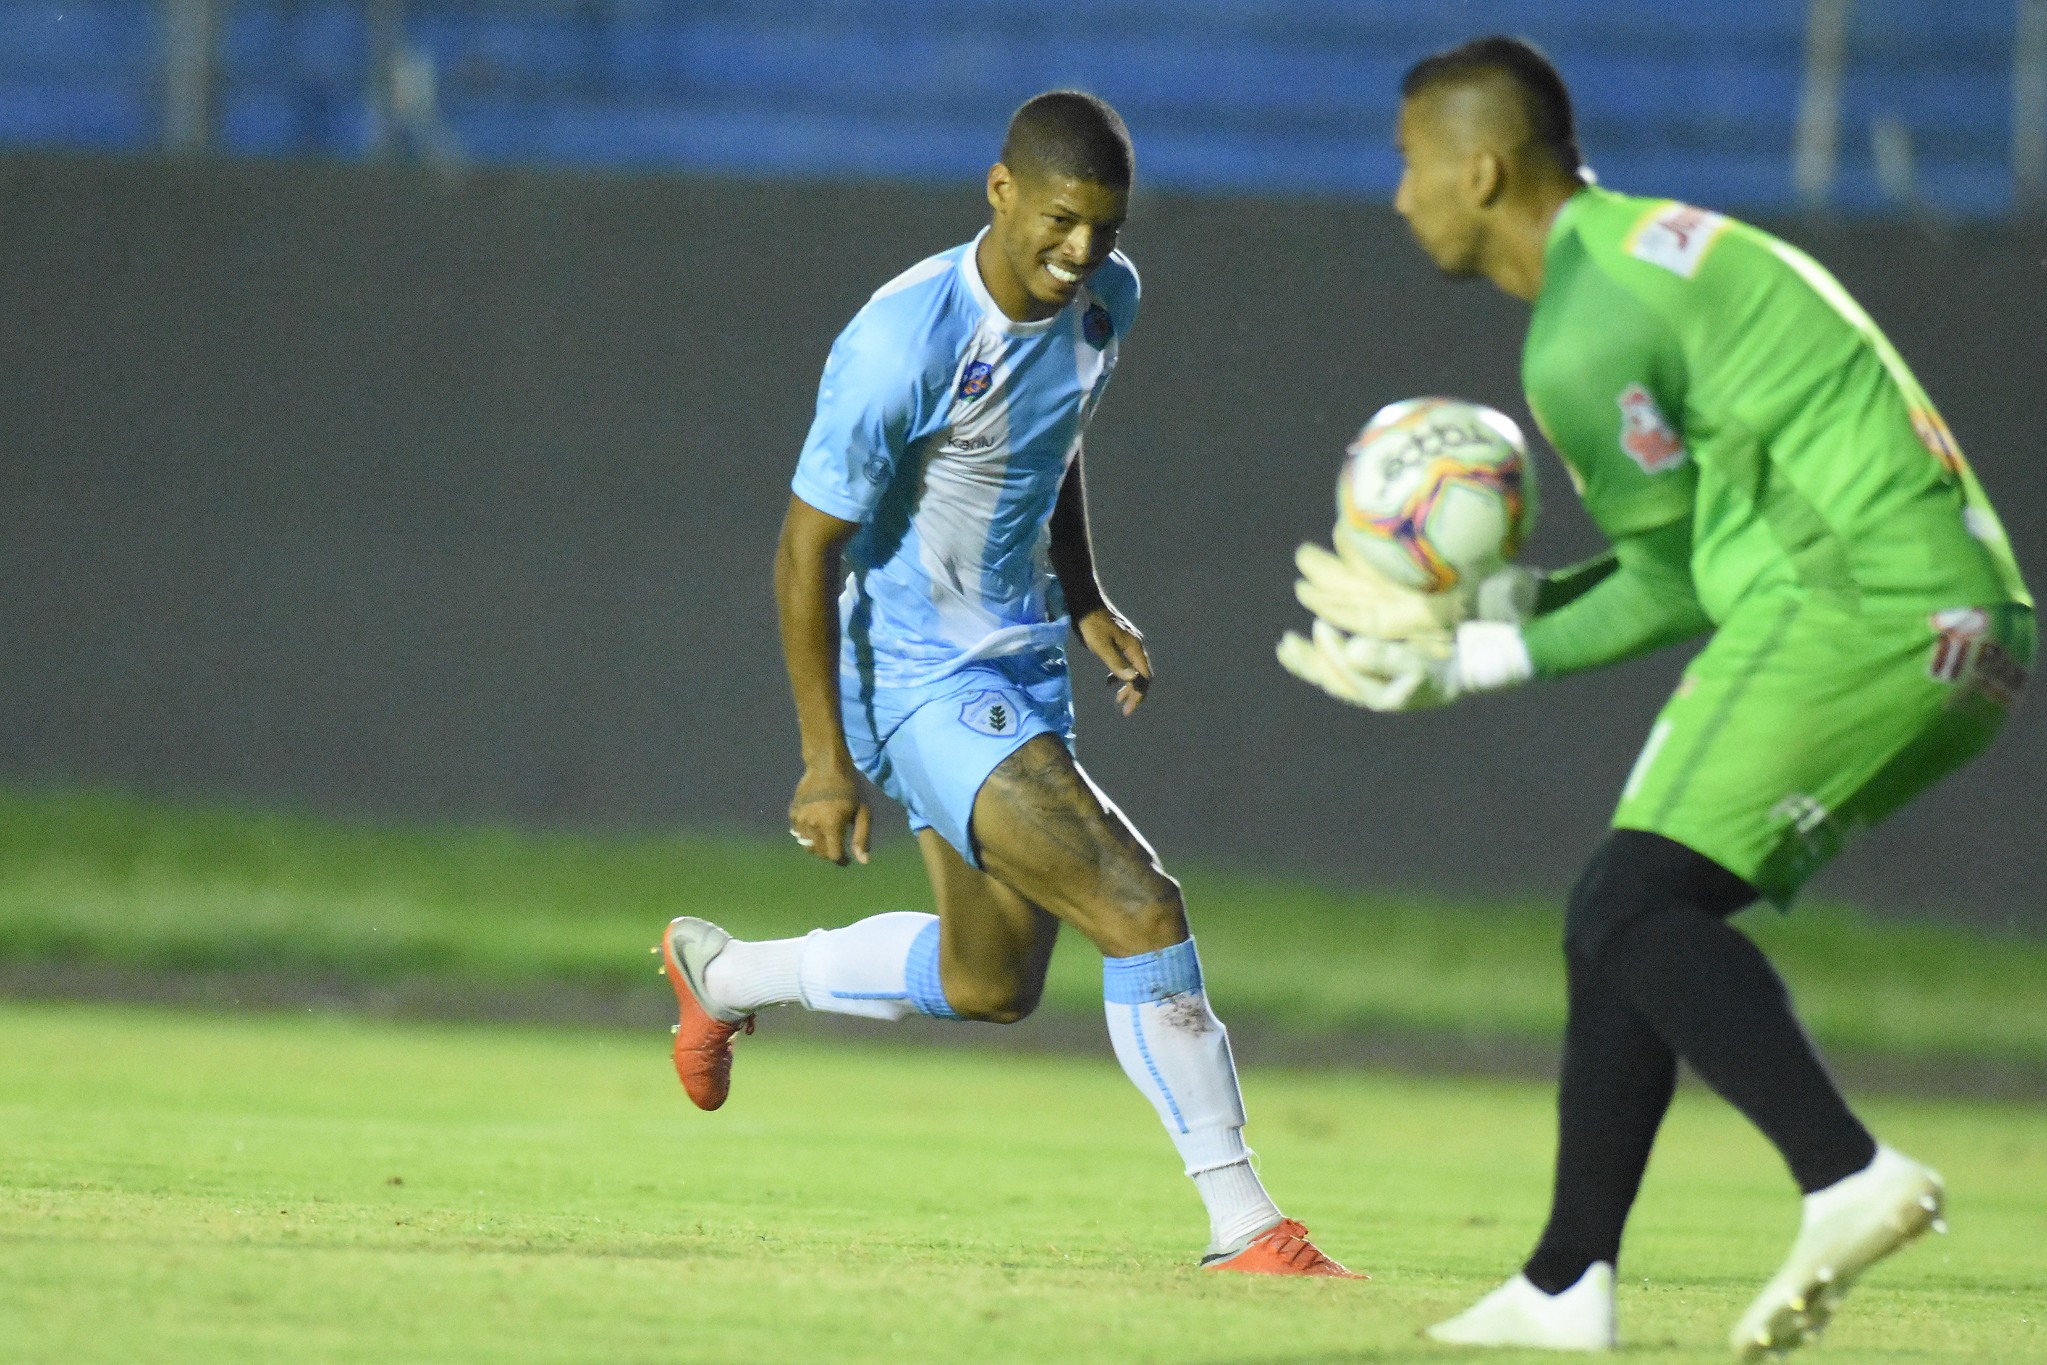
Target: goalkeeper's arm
{"type": "Point", "coordinates": [1635, 598]}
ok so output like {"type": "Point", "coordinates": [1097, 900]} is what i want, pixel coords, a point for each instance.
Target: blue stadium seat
{"type": "Point", "coordinates": [1226, 95]}
{"type": "Point", "coordinates": [86, 114]}
{"type": "Point", "coordinates": [112, 40]}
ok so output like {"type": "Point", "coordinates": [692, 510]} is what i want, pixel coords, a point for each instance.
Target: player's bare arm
{"type": "Point", "coordinates": [1106, 632]}
{"type": "Point", "coordinates": [828, 799]}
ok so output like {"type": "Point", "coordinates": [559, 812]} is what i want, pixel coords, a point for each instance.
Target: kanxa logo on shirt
{"type": "Point", "coordinates": [1647, 436]}
{"type": "Point", "coordinates": [991, 713]}
{"type": "Point", "coordinates": [1096, 326]}
{"type": "Point", "coordinates": [975, 379]}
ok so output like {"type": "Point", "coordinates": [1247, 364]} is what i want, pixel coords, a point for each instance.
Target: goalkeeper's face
{"type": "Point", "coordinates": [1442, 192]}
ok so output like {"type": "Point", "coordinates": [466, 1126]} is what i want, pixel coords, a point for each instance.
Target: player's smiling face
{"type": "Point", "coordinates": [1049, 234]}
{"type": "Point", "coordinates": [1436, 194]}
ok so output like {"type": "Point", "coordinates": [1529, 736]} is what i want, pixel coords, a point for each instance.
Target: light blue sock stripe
{"type": "Point", "coordinates": [1144, 1051]}
{"type": "Point", "coordinates": [920, 975]}
{"type": "Point", "coordinates": [1151, 976]}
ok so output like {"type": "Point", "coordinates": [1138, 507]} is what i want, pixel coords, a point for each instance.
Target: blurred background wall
{"type": "Point", "coordinates": [353, 460]}
{"type": "Point", "coordinates": [1864, 104]}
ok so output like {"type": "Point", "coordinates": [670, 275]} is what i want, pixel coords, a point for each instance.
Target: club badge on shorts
{"type": "Point", "coordinates": [991, 713]}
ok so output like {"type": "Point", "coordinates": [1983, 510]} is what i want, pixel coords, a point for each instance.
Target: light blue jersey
{"type": "Point", "coordinates": [945, 427]}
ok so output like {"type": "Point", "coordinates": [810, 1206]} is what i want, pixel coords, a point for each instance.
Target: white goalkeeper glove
{"type": "Point", "coordinates": [1507, 594]}
{"type": "Point", "coordinates": [1408, 675]}
{"type": "Point", "coordinates": [1351, 595]}
{"type": "Point", "coordinates": [1323, 662]}
{"type": "Point", "coordinates": [1347, 592]}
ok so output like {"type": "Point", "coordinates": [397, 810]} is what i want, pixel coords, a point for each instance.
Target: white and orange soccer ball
{"type": "Point", "coordinates": [1436, 493]}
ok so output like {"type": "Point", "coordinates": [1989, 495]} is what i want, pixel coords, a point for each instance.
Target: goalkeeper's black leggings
{"type": "Point", "coordinates": [1656, 974]}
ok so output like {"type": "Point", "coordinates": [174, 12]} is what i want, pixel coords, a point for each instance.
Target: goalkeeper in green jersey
{"type": "Point", "coordinates": [1770, 474]}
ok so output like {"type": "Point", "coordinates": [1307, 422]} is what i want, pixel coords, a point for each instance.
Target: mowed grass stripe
{"type": "Point", "coordinates": [96, 880]}
{"type": "Point", "coordinates": [180, 1187]}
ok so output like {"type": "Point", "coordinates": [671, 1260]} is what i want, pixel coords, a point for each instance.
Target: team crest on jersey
{"type": "Point", "coordinates": [976, 378]}
{"type": "Point", "coordinates": [1096, 326]}
{"type": "Point", "coordinates": [1647, 436]}
{"type": "Point", "coordinates": [1676, 237]}
{"type": "Point", "coordinates": [991, 713]}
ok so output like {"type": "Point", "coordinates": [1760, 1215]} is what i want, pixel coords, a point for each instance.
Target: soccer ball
{"type": "Point", "coordinates": [1436, 493]}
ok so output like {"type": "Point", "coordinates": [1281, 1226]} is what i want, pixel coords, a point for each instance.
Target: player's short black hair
{"type": "Point", "coordinates": [1070, 133]}
{"type": "Point", "coordinates": [1544, 98]}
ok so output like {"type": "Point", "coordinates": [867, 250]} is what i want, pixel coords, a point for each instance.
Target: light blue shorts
{"type": "Point", "coordinates": [931, 747]}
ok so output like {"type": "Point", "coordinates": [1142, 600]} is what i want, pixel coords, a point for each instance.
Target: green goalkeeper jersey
{"type": "Point", "coordinates": [1719, 398]}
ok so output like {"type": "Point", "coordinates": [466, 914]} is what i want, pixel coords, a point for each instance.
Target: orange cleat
{"type": "Point", "coordinates": [703, 1036]}
{"type": "Point", "coordinates": [1282, 1249]}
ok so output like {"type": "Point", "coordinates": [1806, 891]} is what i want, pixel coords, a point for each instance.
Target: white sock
{"type": "Point", "coordinates": [1177, 1052]}
{"type": "Point", "coordinates": [746, 976]}
{"type": "Point", "coordinates": [881, 967]}
{"type": "Point", "coordinates": [1238, 1206]}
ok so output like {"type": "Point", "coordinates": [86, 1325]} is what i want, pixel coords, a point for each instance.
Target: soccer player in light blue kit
{"type": "Point", "coordinates": [941, 486]}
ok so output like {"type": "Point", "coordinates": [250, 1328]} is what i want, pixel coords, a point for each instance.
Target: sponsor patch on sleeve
{"type": "Point", "coordinates": [1647, 436]}
{"type": "Point", "coordinates": [1676, 237]}
{"type": "Point", "coordinates": [1966, 652]}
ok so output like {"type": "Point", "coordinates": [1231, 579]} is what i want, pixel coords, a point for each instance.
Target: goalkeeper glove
{"type": "Point", "coordinates": [1507, 594]}
{"type": "Point", "coordinates": [1408, 675]}
{"type": "Point", "coordinates": [1348, 593]}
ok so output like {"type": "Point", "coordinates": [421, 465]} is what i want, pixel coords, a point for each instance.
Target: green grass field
{"type": "Point", "coordinates": [183, 1187]}
{"type": "Point", "coordinates": [107, 881]}
{"type": "Point", "coordinates": [313, 1187]}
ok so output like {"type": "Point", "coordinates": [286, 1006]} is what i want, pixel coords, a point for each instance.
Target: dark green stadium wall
{"type": "Point", "coordinates": [451, 499]}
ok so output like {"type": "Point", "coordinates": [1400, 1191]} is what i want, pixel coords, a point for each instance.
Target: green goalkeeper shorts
{"type": "Point", "coordinates": [1800, 724]}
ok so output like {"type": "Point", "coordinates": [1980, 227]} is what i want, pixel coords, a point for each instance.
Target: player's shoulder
{"type": "Point", "coordinates": [917, 320]}
{"type": "Point", "coordinates": [1116, 283]}
{"type": "Point", "coordinates": [1658, 241]}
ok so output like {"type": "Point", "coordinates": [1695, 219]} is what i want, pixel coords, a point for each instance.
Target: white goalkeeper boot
{"type": "Point", "coordinates": [1847, 1227]}
{"type": "Point", "coordinates": [1518, 1314]}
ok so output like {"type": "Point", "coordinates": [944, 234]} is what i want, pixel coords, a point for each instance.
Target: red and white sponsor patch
{"type": "Point", "coordinates": [1647, 437]}
{"type": "Point", "coordinates": [1676, 237]}
{"type": "Point", "coordinates": [1957, 631]}
{"type": "Point", "coordinates": [1964, 653]}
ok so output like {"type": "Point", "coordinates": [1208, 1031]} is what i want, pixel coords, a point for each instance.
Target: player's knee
{"type": "Point", "coordinates": [1145, 920]}
{"type": "Point", "coordinates": [994, 1001]}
